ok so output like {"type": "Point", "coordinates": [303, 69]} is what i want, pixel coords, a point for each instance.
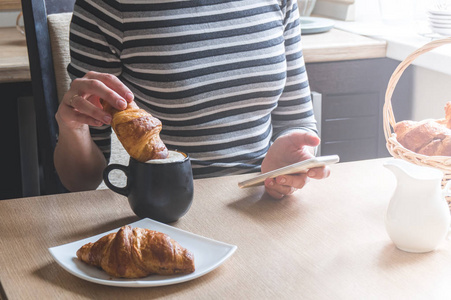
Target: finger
{"type": "Point", "coordinates": [84, 119]}
{"type": "Point", "coordinates": [113, 83]}
{"type": "Point", "coordinates": [95, 100]}
{"type": "Point", "coordinates": [319, 173]}
{"type": "Point", "coordinates": [69, 115]}
{"type": "Point", "coordinates": [85, 107]}
{"type": "Point", "coordinates": [86, 88]}
{"type": "Point", "coordinates": [293, 189]}
{"type": "Point", "coordinates": [304, 138]}
{"type": "Point", "coordinates": [277, 195]}
{"type": "Point", "coordinates": [297, 181]}
{"type": "Point", "coordinates": [269, 188]}
{"type": "Point", "coordinates": [311, 139]}
{"type": "Point", "coordinates": [278, 188]}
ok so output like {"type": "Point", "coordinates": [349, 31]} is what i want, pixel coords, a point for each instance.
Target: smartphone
{"type": "Point", "coordinates": [300, 167]}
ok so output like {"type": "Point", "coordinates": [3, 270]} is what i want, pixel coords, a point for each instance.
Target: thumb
{"type": "Point", "coordinates": [303, 138]}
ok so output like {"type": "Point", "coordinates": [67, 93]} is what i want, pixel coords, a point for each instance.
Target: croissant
{"type": "Point", "coordinates": [138, 131]}
{"type": "Point", "coordinates": [137, 252]}
{"type": "Point", "coordinates": [428, 137]}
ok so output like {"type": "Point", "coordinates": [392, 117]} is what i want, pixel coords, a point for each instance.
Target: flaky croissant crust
{"type": "Point", "coordinates": [138, 131]}
{"type": "Point", "coordinates": [428, 137]}
{"type": "Point", "coordinates": [137, 252]}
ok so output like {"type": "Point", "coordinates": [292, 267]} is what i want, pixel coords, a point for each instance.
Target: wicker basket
{"type": "Point", "coordinates": [394, 147]}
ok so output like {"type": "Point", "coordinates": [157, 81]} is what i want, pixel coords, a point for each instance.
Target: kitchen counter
{"type": "Point", "coordinates": [339, 45]}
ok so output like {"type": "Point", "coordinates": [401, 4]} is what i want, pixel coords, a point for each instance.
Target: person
{"type": "Point", "coordinates": [226, 78]}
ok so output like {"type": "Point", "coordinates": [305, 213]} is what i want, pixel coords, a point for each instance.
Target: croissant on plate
{"type": "Point", "coordinates": [137, 252]}
{"type": "Point", "coordinates": [138, 131]}
{"type": "Point", "coordinates": [427, 137]}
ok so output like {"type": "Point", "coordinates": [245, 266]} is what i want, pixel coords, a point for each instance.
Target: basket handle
{"type": "Point", "coordinates": [389, 119]}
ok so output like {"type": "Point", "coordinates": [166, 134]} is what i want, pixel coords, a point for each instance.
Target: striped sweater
{"type": "Point", "coordinates": [225, 77]}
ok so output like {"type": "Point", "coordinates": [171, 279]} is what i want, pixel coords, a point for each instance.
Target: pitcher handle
{"type": "Point", "coordinates": [447, 189]}
{"type": "Point", "coordinates": [120, 190]}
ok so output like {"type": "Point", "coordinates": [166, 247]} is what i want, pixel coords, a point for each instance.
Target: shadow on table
{"type": "Point", "coordinates": [265, 208]}
{"type": "Point", "coordinates": [98, 229]}
{"type": "Point", "coordinates": [58, 278]}
{"type": "Point", "coordinates": [391, 257]}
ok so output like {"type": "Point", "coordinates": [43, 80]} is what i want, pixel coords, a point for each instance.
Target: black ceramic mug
{"type": "Point", "coordinates": [158, 189]}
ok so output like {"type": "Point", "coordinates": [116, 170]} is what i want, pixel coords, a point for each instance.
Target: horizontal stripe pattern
{"type": "Point", "coordinates": [102, 137]}
{"type": "Point", "coordinates": [224, 77]}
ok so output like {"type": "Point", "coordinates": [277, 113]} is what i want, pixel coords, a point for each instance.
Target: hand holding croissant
{"type": "Point", "coordinates": [427, 137]}
{"type": "Point", "coordinates": [138, 131]}
{"type": "Point", "coordinates": [137, 252]}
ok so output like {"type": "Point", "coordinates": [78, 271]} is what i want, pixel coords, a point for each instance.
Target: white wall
{"type": "Point", "coordinates": [431, 90]}
{"type": "Point", "coordinates": [370, 10]}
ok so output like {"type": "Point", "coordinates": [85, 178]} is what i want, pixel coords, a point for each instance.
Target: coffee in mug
{"type": "Point", "coordinates": [160, 189]}
{"type": "Point", "coordinates": [173, 156]}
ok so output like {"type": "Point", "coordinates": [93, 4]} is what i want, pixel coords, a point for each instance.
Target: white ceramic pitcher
{"type": "Point", "coordinates": [418, 217]}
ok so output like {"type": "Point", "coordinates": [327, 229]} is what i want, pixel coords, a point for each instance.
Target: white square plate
{"type": "Point", "coordinates": [208, 255]}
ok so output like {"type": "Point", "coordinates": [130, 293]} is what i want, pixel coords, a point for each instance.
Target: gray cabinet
{"type": "Point", "coordinates": [352, 94]}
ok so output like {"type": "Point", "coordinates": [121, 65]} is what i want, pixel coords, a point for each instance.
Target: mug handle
{"type": "Point", "coordinates": [120, 190]}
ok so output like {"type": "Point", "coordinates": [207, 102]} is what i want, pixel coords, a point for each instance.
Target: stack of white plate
{"type": "Point", "coordinates": [440, 19]}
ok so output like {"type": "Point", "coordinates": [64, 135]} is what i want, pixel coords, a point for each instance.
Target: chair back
{"type": "Point", "coordinates": [44, 84]}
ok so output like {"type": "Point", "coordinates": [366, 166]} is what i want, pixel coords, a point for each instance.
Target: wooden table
{"type": "Point", "coordinates": [327, 241]}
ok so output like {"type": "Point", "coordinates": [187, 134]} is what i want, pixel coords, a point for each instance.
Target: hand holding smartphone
{"type": "Point", "coordinates": [300, 167]}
